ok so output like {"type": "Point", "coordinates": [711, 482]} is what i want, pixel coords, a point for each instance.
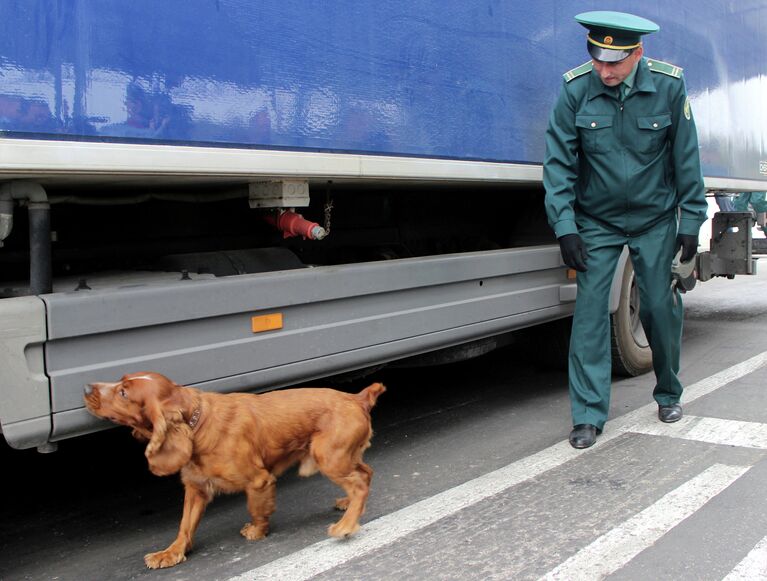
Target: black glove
{"type": "Point", "coordinates": [689, 245]}
{"type": "Point", "coordinates": [574, 252]}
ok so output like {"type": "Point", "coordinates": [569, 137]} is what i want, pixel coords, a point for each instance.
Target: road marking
{"type": "Point", "coordinates": [325, 555]}
{"type": "Point", "coordinates": [753, 566]}
{"type": "Point", "coordinates": [712, 431]}
{"type": "Point", "coordinates": [706, 386]}
{"type": "Point", "coordinates": [617, 547]}
{"type": "Point", "coordinates": [329, 553]}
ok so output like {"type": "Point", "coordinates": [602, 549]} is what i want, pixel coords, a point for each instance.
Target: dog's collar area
{"type": "Point", "coordinates": [195, 417]}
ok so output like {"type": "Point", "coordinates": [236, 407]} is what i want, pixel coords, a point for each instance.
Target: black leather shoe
{"type": "Point", "coordinates": [583, 436]}
{"type": "Point", "coordinates": [670, 413]}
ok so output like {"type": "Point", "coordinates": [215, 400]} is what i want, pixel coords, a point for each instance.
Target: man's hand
{"type": "Point", "coordinates": [574, 252]}
{"type": "Point", "coordinates": [689, 245]}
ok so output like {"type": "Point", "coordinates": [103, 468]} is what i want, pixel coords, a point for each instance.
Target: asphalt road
{"type": "Point", "coordinates": [473, 479]}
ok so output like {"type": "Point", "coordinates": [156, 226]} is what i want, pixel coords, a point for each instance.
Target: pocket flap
{"type": "Point", "coordinates": [593, 121]}
{"type": "Point", "coordinates": [654, 122]}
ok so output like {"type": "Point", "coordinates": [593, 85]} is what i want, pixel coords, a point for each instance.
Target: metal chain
{"type": "Point", "coordinates": [328, 209]}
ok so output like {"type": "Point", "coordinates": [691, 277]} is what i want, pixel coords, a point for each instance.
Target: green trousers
{"type": "Point", "coordinates": [757, 200]}
{"type": "Point", "coordinates": [661, 314]}
{"type": "Point", "coordinates": [751, 200]}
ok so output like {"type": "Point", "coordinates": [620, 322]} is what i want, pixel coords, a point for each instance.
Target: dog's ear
{"type": "Point", "coordinates": [156, 392]}
{"type": "Point", "coordinates": [141, 434]}
{"type": "Point", "coordinates": [153, 411]}
{"type": "Point", "coordinates": [175, 450]}
{"type": "Point", "coordinates": [170, 439]}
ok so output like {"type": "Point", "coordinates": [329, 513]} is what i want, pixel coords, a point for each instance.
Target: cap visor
{"type": "Point", "coordinates": [607, 55]}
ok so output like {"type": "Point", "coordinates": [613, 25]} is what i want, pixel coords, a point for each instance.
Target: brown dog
{"type": "Point", "coordinates": [243, 442]}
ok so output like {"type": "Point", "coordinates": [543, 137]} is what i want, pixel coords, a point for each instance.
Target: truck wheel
{"type": "Point", "coordinates": [631, 354]}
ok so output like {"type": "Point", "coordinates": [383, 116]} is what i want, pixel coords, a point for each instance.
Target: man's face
{"type": "Point", "coordinates": [613, 74]}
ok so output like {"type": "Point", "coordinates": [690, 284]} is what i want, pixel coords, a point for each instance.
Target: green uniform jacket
{"type": "Point", "coordinates": [630, 164]}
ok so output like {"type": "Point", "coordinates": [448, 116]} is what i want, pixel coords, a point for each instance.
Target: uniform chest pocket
{"type": "Point", "coordinates": [653, 132]}
{"type": "Point", "coordinates": [595, 132]}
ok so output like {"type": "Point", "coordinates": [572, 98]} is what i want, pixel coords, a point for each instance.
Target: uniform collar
{"type": "Point", "coordinates": [643, 82]}
{"type": "Point", "coordinates": [629, 81]}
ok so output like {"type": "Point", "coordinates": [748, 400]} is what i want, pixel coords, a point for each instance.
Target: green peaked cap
{"type": "Point", "coordinates": [613, 35]}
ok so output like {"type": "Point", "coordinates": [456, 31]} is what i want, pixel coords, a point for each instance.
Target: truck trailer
{"type": "Point", "coordinates": [251, 195]}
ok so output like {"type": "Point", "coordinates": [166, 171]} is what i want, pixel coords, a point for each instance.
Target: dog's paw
{"type": "Point", "coordinates": [342, 503]}
{"type": "Point", "coordinates": [255, 532]}
{"type": "Point", "coordinates": [341, 530]}
{"type": "Point", "coordinates": [163, 559]}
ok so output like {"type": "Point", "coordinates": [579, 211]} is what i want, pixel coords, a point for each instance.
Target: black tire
{"type": "Point", "coordinates": [631, 354]}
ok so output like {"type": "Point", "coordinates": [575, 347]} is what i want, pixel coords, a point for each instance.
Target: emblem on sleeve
{"type": "Point", "coordinates": [687, 112]}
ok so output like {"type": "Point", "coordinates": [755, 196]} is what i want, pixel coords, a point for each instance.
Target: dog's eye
{"type": "Point", "coordinates": [123, 393]}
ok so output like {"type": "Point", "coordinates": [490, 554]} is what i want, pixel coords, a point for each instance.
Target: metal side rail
{"type": "Point", "coordinates": [260, 331]}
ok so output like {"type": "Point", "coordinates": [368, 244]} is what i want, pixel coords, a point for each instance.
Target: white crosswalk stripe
{"type": "Point", "coordinates": [329, 553]}
{"type": "Point", "coordinates": [614, 549]}
{"type": "Point", "coordinates": [753, 567]}
{"type": "Point", "coordinates": [712, 430]}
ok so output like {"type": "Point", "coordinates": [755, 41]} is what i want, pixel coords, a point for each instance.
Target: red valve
{"type": "Point", "coordinates": [292, 224]}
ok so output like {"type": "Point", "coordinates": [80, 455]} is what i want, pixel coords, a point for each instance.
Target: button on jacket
{"type": "Point", "coordinates": [628, 161]}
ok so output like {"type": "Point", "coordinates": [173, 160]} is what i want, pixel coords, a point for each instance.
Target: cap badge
{"type": "Point", "coordinates": [608, 40]}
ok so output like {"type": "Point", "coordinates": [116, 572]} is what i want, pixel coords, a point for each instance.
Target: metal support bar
{"type": "Point", "coordinates": [40, 269]}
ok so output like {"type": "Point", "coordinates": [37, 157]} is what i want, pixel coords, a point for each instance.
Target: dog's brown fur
{"type": "Point", "coordinates": [243, 442]}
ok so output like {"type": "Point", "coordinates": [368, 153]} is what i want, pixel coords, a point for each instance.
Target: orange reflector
{"type": "Point", "coordinates": [571, 274]}
{"type": "Point", "coordinates": [266, 322]}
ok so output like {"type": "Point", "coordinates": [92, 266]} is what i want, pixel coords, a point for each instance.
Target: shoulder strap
{"type": "Point", "coordinates": [666, 68]}
{"type": "Point", "coordinates": [578, 71]}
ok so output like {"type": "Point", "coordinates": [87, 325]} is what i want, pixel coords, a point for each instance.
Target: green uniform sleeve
{"type": "Point", "coordinates": [691, 194]}
{"type": "Point", "coordinates": [560, 166]}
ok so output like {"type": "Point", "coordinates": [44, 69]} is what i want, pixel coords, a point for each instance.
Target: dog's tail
{"type": "Point", "coordinates": [368, 396]}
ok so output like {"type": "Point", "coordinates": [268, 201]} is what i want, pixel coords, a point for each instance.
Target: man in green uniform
{"type": "Point", "coordinates": [622, 169]}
